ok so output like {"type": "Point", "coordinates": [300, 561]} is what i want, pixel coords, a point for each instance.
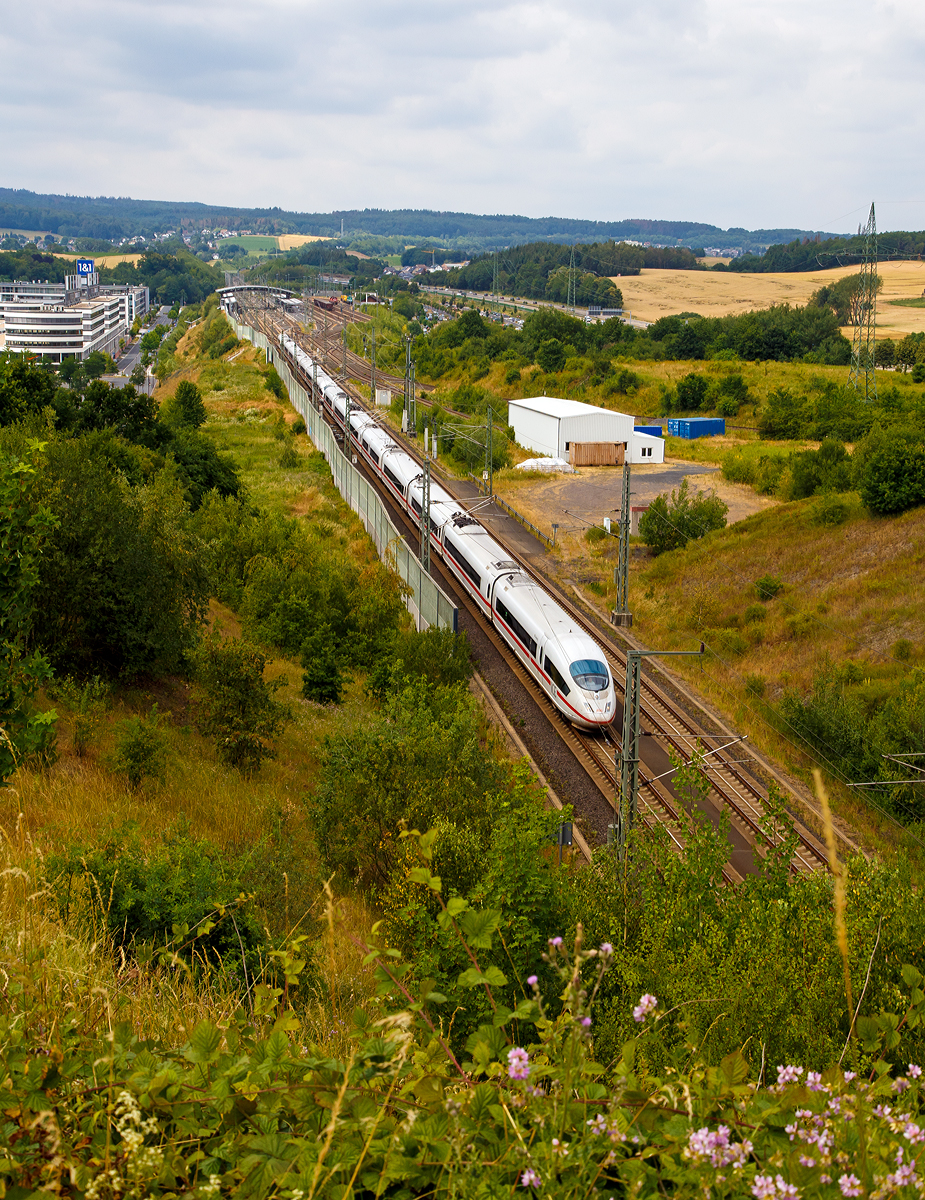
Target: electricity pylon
{"type": "Point", "coordinates": [863, 365]}
{"type": "Point", "coordinates": [570, 302]}
{"type": "Point", "coordinates": [620, 614]}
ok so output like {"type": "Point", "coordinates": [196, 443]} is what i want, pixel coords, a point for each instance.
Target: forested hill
{"type": "Point", "coordinates": [811, 254]}
{"type": "Point", "coordinates": [113, 217]}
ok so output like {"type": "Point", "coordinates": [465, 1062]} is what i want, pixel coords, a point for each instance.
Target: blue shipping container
{"type": "Point", "coordinates": [653, 430]}
{"type": "Point", "coordinates": [695, 427]}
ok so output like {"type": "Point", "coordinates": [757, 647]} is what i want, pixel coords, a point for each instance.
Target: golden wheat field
{"type": "Point", "coordinates": [103, 260]}
{"type": "Point", "coordinates": [291, 241]}
{"type": "Point", "coordinates": [657, 293]}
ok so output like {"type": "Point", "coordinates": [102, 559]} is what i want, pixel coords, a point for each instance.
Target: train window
{"type": "Point", "coordinates": [556, 675]}
{"type": "Point", "coordinates": [590, 674]}
{"type": "Point", "coordinates": [515, 626]}
{"type": "Point", "coordinates": [415, 507]}
{"type": "Point", "coordinates": [465, 565]}
{"type": "Point", "coordinates": [390, 474]}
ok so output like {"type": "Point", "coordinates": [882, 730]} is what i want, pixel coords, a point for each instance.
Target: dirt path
{"type": "Point", "coordinates": [575, 502]}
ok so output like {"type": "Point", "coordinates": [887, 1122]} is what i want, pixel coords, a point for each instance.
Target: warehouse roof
{"type": "Point", "coordinates": [553, 406]}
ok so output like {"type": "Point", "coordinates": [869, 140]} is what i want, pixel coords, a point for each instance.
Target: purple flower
{"type": "Point", "coordinates": [849, 1075]}
{"type": "Point", "coordinates": [850, 1185]}
{"type": "Point", "coordinates": [814, 1081]}
{"type": "Point", "coordinates": [606, 949]}
{"type": "Point", "coordinates": [556, 941]}
{"type": "Point", "coordinates": [532, 980]}
{"type": "Point", "coordinates": [530, 1179]}
{"type": "Point", "coordinates": [789, 1074]}
{"type": "Point", "coordinates": [763, 1187]}
{"type": "Point", "coordinates": [914, 1071]}
{"type": "Point", "coordinates": [914, 1133]}
{"type": "Point", "coordinates": [646, 1004]}
{"type": "Point", "coordinates": [518, 1063]}
{"type": "Point", "coordinates": [900, 1084]}
{"type": "Point", "coordinates": [586, 1022]}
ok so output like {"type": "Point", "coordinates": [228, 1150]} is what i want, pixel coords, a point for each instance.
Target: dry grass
{"type": "Point", "coordinates": [850, 593]}
{"type": "Point", "coordinates": [658, 293]}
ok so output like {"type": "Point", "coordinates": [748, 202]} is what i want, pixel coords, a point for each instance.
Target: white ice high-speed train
{"type": "Point", "coordinates": [568, 665]}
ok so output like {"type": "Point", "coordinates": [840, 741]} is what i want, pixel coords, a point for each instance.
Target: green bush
{"type": "Point", "coordinates": [669, 524]}
{"type": "Point", "coordinates": [88, 700]}
{"type": "Point", "coordinates": [892, 472]}
{"type": "Point", "coordinates": [440, 656]}
{"type": "Point", "coordinates": [902, 649]}
{"type": "Point", "coordinates": [755, 685]}
{"type": "Point", "coordinates": [830, 510]}
{"type": "Point", "coordinates": [322, 680]}
{"type": "Point", "coordinates": [754, 612]}
{"type": "Point", "coordinates": [239, 712]}
{"type": "Point", "coordinates": [141, 751]}
{"type": "Point", "coordinates": [298, 427]}
{"type": "Point", "coordinates": [420, 761]}
{"type": "Point", "coordinates": [768, 586]}
{"type": "Point", "coordinates": [166, 896]}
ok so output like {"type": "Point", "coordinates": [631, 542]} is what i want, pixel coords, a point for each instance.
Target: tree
{"type": "Point", "coordinates": [691, 391]}
{"type": "Point", "coordinates": [24, 388]}
{"type": "Point", "coordinates": [95, 364]}
{"type": "Point", "coordinates": [671, 524]}
{"type": "Point", "coordinates": [239, 711]}
{"type": "Point", "coordinates": [322, 680]}
{"type": "Point", "coordinates": [551, 355]}
{"type": "Point", "coordinates": [121, 586]}
{"type": "Point", "coordinates": [892, 474]}
{"type": "Point", "coordinates": [784, 416]}
{"type": "Point", "coordinates": [184, 409]}
{"type": "Point", "coordinates": [23, 530]}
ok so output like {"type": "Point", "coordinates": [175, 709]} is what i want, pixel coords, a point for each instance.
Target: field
{"type": "Point", "coordinates": [105, 260]}
{"type": "Point", "coordinates": [655, 294]}
{"type": "Point", "coordinates": [291, 241]}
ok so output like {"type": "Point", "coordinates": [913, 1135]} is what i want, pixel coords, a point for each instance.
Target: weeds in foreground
{"type": "Point", "coordinates": [240, 1102]}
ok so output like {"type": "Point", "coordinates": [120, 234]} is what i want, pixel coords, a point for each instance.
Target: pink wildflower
{"type": "Point", "coordinates": [646, 1005]}
{"type": "Point", "coordinates": [518, 1063]}
{"type": "Point", "coordinates": [850, 1185]}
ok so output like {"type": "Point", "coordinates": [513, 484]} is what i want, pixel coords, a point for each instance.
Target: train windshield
{"type": "Point", "coordinates": [590, 674]}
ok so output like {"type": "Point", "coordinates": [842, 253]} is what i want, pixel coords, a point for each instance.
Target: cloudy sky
{"type": "Point", "coordinates": [754, 113]}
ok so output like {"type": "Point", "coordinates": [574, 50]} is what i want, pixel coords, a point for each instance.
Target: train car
{"type": "Point", "coordinates": [398, 469]}
{"type": "Point", "coordinates": [564, 660]}
{"type": "Point", "coordinates": [475, 558]}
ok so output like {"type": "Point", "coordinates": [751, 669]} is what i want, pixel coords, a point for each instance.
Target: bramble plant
{"type": "Point", "coordinates": [244, 1108]}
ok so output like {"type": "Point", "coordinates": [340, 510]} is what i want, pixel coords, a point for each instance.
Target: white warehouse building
{"type": "Point", "coordinates": [583, 434]}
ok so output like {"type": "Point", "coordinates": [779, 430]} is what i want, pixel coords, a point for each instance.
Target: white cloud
{"type": "Point", "coordinates": [744, 112]}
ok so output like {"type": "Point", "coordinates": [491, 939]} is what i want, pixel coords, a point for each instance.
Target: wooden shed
{"type": "Point", "coordinates": [596, 454]}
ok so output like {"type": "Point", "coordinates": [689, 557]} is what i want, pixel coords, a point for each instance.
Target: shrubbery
{"type": "Point", "coordinates": [669, 524]}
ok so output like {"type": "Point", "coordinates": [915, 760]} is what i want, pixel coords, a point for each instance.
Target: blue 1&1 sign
{"type": "Point", "coordinates": [85, 266]}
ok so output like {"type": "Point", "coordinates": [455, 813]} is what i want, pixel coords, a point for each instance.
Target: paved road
{"type": "Point", "coordinates": [132, 355]}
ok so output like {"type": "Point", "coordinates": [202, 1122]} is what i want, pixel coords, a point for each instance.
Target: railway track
{"type": "Point", "coordinates": [732, 792]}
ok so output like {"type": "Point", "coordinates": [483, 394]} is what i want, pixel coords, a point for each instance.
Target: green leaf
{"type": "Point", "coordinates": [422, 875]}
{"type": "Point", "coordinates": [204, 1045]}
{"type": "Point", "coordinates": [456, 905]}
{"type": "Point", "coordinates": [492, 977]}
{"type": "Point", "coordinates": [734, 1068]}
{"type": "Point", "coordinates": [479, 926]}
{"type": "Point", "coordinates": [911, 977]}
